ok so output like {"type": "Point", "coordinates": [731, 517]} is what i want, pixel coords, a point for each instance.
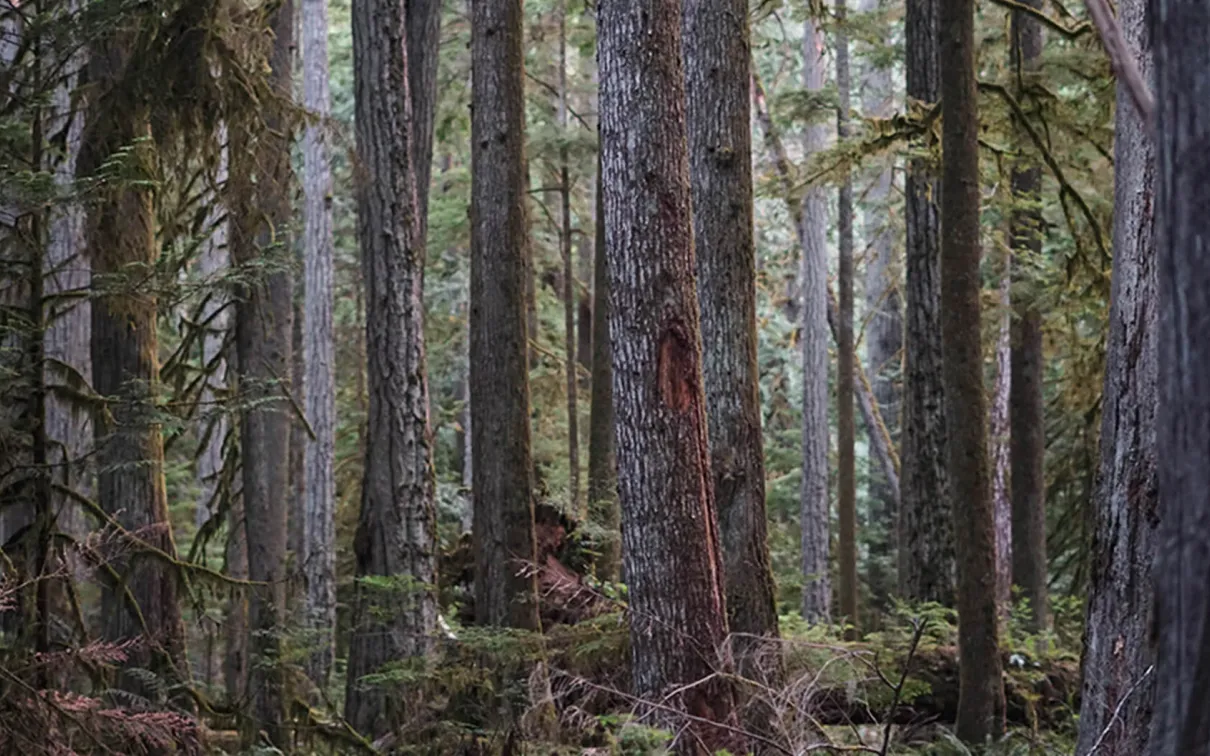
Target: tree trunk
{"type": "Point", "coordinates": [569, 281]}
{"type": "Point", "coordinates": [318, 557]}
{"type": "Point", "coordinates": [423, 25]}
{"type": "Point", "coordinates": [130, 452]}
{"type": "Point", "coordinates": [999, 428]}
{"type": "Point", "coordinates": [602, 464]}
{"type": "Point", "coordinates": [673, 567]}
{"type": "Point", "coordinates": [981, 705]}
{"type": "Point", "coordinates": [883, 336]}
{"type": "Point", "coordinates": [813, 232]}
{"type": "Point", "coordinates": [396, 530]}
{"type": "Point", "coordinates": [505, 587]}
{"type": "Point", "coordinates": [264, 344]}
{"type": "Point", "coordinates": [718, 114]}
{"type": "Point", "coordinates": [1182, 572]}
{"type": "Point", "coordinates": [1119, 648]}
{"type": "Point", "coordinates": [235, 625]}
{"type": "Point", "coordinates": [926, 534]}
{"type": "Point", "coordinates": [1028, 434]}
{"type": "Point", "coordinates": [846, 497]}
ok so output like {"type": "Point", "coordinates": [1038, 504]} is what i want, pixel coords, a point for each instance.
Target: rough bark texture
{"type": "Point", "coordinates": [1182, 566]}
{"type": "Point", "coordinates": [318, 515]}
{"type": "Point", "coordinates": [67, 315]}
{"type": "Point", "coordinates": [130, 452]}
{"type": "Point", "coordinates": [602, 464]}
{"type": "Point", "coordinates": [926, 540]}
{"type": "Point", "coordinates": [883, 333]}
{"type": "Point", "coordinates": [505, 589]}
{"type": "Point", "coordinates": [813, 285]}
{"type": "Point", "coordinates": [846, 494]}
{"type": "Point", "coordinates": [396, 530]}
{"type": "Point", "coordinates": [214, 316]}
{"type": "Point", "coordinates": [980, 706]}
{"type": "Point", "coordinates": [1028, 432]}
{"type": "Point", "coordinates": [670, 534]}
{"type": "Point", "coordinates": [264, 345]}
{"type": "Point", "coordinates": [998, 423]}
{"type": "Point", "coordinates": [569, 282]}
{"type": "Point", "coordinates": [423, 24]}
{"type": "Point", "coordinates": [718, 97]}
{"type": "Point", "coordinates": [1118, 644]}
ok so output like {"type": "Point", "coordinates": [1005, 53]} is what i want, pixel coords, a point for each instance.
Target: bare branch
{"type": "Point", "coordinates": [1121, 58]}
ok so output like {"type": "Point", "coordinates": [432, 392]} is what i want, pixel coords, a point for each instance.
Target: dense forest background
{"type": "Point", "coordinates": [483, 377]}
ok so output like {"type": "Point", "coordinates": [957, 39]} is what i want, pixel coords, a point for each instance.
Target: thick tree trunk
{"type": "Point", "coordinates": [670, 533]}
{"type": "Point", "coordinates": [318, 527]}
{"type": "Point", "coordinates": [999, 429]}
{"type": "Point", "coordinates": [423, 24]}
{"type": "Point", "coordinates": [846, 494]}
{"type": "Point", "coordinates": [813, 284]}
{"type": "Point", "coordinates": [718, 96]}
{"type": "Point", "coordinates": [396, 530]}
{"type": "Point", "coordinates": [1182, 571]}
{"type": "Point", "coordinates": [569, 282]}
{"type": "Point", "coordinates": [235, 625]}
{"type": "Point", "coordinates": [505, 588]}
{"type": "Point", "coordinates": [130, 454]}
{"type": "Point", "coordinates": [1119, 649]}
{"type": "Point", "coordinates": [67, 276]}
{"type": "Point", "coordinates": [602, 465]}
{"type": "Point", "coordinates": [981, 704]}
{"type": "Point", "coordinates": [264, 344]}
{"type": "Point", "coordinates": [926, 531]}
{"type": "Point", "coordinates": [1118, 687]}
{"type": "Point", "coordinates": [883, 336]}
{"type": "Point", "coordinates": [1028, 434]}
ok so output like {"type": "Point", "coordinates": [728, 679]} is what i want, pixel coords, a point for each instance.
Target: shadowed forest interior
{"type": "Point", "coordinates": [604, 377]}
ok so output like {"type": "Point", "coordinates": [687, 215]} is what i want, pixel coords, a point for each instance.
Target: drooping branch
{"type": "Point", "coordinates": [879, 436]}
{"type": "Point", "coordinates": [1070, 32]}
{"type": "Point", "coordinates": [1121, 58]}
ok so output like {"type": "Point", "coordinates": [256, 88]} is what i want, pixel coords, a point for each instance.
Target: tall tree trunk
{"type": "Point", "coordinates": [602, 465]}
{"type": "Point", "coordinates": [981, 700]}
{"type": "Point", "coordinates": [1182, 572]}
{"type": "Point", "coordinates": [718, 88]}
{"type": "Point", "coordinates": [396, 531]}
{"type": "Point", "coordinates": [67, 276]}
{"type": "Point", "coordinates": [423, 24]}
{"type": "Point", "coordinates": [999, 429]}
{"type": "Point", "coordinates": [883, 335]}
{"type": "Point", "coordinates": [214, 318]}
{"type": "Point", "coordinates": [130, 454]}
{"type": "Point", "coordinates": [926, 534]}
{"type": "Point", "coordinates": [846, 497]}
{"type": "Point", "coordinates": [505, 588]}
{"type": "Point", "coordinates": [1028, 434]}
{"type": "Point", "coordinates": [264, 344]}
{"type": "Point", "coordinates": [318, 557]}
{"type": "Point", "coordinates": [813, 283]}
{"type": "Point", "coordinates": [569, 280]}
{"type": "Point", "coordinates": [1119, 648]}
{"type": "Point", "coordinates": [235, 625]}
{"type": "Point", "coordinates": [673, 567]}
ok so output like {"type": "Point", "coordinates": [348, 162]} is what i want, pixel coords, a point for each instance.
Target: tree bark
{"type": "Point", "coordinates": [813, 233]}
{"type": "Point", "coordinates": [883, 335]}
{"type": "Point", "coordinates": [602, 464]}
{"type": "Point", "coordinates": [1028, 430]}
{"type": "Point", "coordinates": [569, 281]}
{"type": "Point", "coordinates": [718, 116]}
{"type": "Point", "coordinates": [673, 567]}
{"type": "Point", "coordinates": [130, 452]}
{"type": "Point", "coordinates": [264, 344]}
{"type": "Point", "coordinates": [926, 540]}
{"type": "Point", "coordinates": [999, 429]}
{"type": "Point", "coordinates": [1119, 647]}
{"type": "Point", "coordinates": [846, 495]}
{"type": "Point", "coordinates": [396, 530]}
{"type": "Point", "coordinates": [981, 704]}
{"type": "Point", "coordinates": [505, 587]}
{"type": "Point", "coordinates": [1182, 571]}
{"type": "Point", "coordinates": [318, 557]}
{"type": "Point", "coordinates": [423, 23]}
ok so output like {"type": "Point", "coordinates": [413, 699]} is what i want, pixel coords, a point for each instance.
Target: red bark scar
{"type": "Point", "coordinates": [677, 368]}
